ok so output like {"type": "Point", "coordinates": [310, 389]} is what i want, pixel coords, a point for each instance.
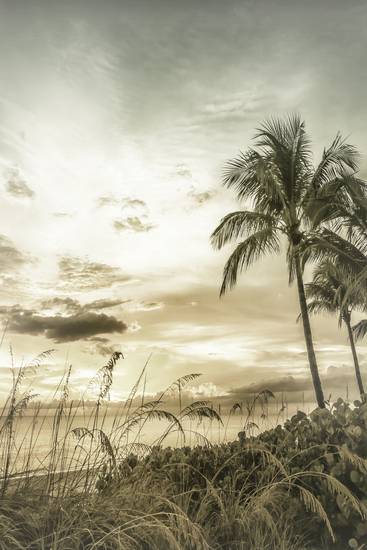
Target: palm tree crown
{"type": "Point", "coordinates": [330, 292]}
{"type": "Point", "coordinates": [278, 178]}
{"type": "Point", "coordinates": [340, 209]}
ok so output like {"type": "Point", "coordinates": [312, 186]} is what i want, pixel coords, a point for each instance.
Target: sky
{"type": "Point", "coordinates": [116, 120]}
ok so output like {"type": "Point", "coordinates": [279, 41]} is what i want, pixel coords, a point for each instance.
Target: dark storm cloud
{"type": "Point", "coordinates": [10, 257]}
{"type": "Point", "coordinates": [134, 224]}
{"type": "Point", "coordinates": [68, 328]}
{"type": "Point", "coordinates": [82, 274]}
{"type": "Point", "coordinates": [17, 186]}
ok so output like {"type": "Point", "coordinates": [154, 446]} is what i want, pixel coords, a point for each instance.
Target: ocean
{"type": "Point", "coordinates": [41, 435]}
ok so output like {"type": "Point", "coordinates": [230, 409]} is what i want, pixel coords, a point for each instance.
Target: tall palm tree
{"type": "Point", "coordinates": [329, 292]}
{"type": "Point", "coordinates": [278, 178]}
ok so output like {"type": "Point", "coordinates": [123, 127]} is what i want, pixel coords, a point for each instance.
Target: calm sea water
{"type": "Point", "coordinates": [34, 434]}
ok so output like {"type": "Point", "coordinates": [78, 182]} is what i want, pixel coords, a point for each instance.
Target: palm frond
{"type": "Point", "coordinates": [253, 176]}
{"type": "Point", "coordinates": [327, 244]}
{"type": "Point", "coordinates": [246, 253]}
{"type": "Point", "coordinates": [319, 306]}
{"type": "Point", "coordinates": [360, 329]}
{"type": "Point", "coordinates": [341, 204]}
{"type": "Point", "coordinates": [289, 146]}
{"type": "Point", "coordinates": [335, 159]}
{"type": "Point", "coordinates": [239, 224]}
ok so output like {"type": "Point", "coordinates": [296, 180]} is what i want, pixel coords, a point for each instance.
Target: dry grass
{"type": "Point", "coordinates": [59, 506]}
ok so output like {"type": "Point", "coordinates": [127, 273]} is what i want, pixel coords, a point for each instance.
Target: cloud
{"type": "Point", "coordinates": [132, 224]}
{"type": "Point", "coordinates": [134, 213]}
{"type": "Point", "coordinates": [17, 186]}
{"type": "Point", "coordinates": [133, 203]}
{"type": "Point", "coordinates": [62, 215]}
{"type": "Point", "coordinates": [134, 306]}
{"type": "Point", "coordinates": [135, 216]}
{"type": "Point", "coordinates": [107, 200]}
{"type": "Point", "coordinates": [183, 171]}
{"type": "Point", "coordinates": [125, 202]}
{"type": "Point", "coordinates": [233, 107]}
{"type": "Point", "coordinates": [149, 306]}
{"type": "Point", "coordinates": [286, 383]}
{"type": "Point", "coordinates": [104, 304]}
{"type": "Point", "coordinates": [230, 108]}
{"type": "Point", "coordinates": [102, 346]}
{"type": "Point", "coordinates": [135, 326]}
{"type": "Point", "coordinates": [61, 328]}
{"type": "Point", "coordinates": [82, 274]}
{"type": "Point", "coordinates": [74, 306]}
{"type": "Point", "coordinates": [67, 304]}
{"type": "Point", "coordinates": [200, 197]}
{"type": "Point", "coordinates": [10, 257]}
{"type": "Point", "coordinates": [335, 381]}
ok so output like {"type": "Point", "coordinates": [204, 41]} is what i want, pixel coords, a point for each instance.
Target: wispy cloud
{"type": "Point", "coordinates": [183, 171]}
{"type": "Point", "coordinates": [83, 274]}
{"type": "Point", "coordinates": [63, 214]}
{"type": "Point", "coordinates": [11, 258]}
{"type": "Point", "coordinates": [107, 200]}
{"type": "Point", "coordinates": [200, 197]}
{"type": "Point", "coordinates": [133, 224]}
{"type": "Point", "coordinates": [70, 305]}
{"type": "Point", "coordinates": [17, 186]}
{"type": "Point", "coordinates": [133, 203]}
{"type": "Point", "coordinates": [101, 345]}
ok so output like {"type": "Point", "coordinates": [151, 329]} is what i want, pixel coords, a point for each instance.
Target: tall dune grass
{"type": "Point", "coordinates": [102, 486]}
{"type": "Point", "coordinates": [78, 451]}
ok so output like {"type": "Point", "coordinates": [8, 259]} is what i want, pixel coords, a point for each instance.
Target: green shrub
{"type": "Point", "coordinates": [315, 464]}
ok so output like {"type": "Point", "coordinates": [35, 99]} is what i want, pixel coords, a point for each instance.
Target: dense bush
{"type": "Point", "coordinates": [312, 468]}
{"type": "Point", "coordinates": [333, 442]}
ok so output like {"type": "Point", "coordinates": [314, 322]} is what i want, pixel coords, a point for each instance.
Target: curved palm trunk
{"type": "Point", "coordinates": [355, 358]}
{"type": "Point", "coordinates": [308, 337]}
